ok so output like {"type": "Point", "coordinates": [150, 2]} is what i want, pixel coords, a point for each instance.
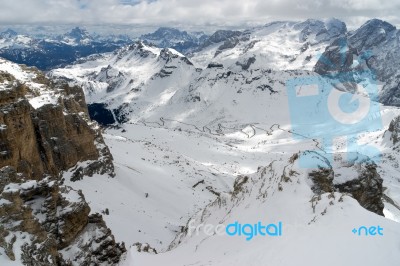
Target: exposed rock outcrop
{"type": "Point", "coordinates": [357, 177]}
{"type": "Point", "coordinates": [51, 137]}
{"type": "Point", "coordinates": [51, 224]}
{"type": "Point", "coordinates": [366, 189]}
{"type": "Point", "coordinates": [394, 130]}
{"type": "Point", "coordinates": [45, 130]}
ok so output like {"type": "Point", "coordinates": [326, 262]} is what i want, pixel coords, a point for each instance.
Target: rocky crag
{"type": "Point", "coordinates": [45, 130]}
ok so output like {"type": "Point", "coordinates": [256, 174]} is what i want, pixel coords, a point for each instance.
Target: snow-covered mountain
{"type": "Point", "coordinates": [277, 45]}
{"type": "Point", "coordinates": [77, 36]}
{"type": "Point", "coordinates": [11, 39]}
{"type": "Point", "coordinates": [219, 136]}
{"type": "Point", "coordinates": [138, 71]}
{"type": "Point", "coordinates": [214, 142]}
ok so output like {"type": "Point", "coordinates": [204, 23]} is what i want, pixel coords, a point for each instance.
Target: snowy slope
{"type": "Point", "coordinates": [316, 229]}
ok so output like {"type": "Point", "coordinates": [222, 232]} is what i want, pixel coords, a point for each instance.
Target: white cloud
{"type": "Point", "coordinates": [193, 12]}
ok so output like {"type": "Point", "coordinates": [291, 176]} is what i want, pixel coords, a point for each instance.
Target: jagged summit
{"type": "Point", "coordinates": [77, 36]}
{"type": "Point", "coordinates": [166, 32]}
{"type": "Point", "coordinates": [377, 23]}
{"type": "Point", "coordinates": [78, 33]}
{"type": "Point", "coordinates": [371, 34]}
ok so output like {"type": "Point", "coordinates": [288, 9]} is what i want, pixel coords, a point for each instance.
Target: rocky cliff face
{"type": "Point", "coordinates": [45, 130]}
{"type": "Point", "coordinates": [358, 178]}
{"type": "Point", "coordinates": [394, 130]}
{"type": "Point", "coordinates": [373, 47]}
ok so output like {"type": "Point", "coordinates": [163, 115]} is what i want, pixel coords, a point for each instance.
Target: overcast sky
{"type": "Point", "coordinates": [192, 12]}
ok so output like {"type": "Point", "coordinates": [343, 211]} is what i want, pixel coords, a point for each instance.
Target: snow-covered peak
{"type": "Point", "coordinates": [278, 45]}
{"type": "Point", "coordinates": [145, 49]}
{"type": "Point", "coordinates": [371, 34]}
{"type": "Point", "coordinates": [376, 23]}
{"type": "Point", "coordinates": [316, 31]}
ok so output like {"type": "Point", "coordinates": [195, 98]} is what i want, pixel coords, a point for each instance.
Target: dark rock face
{"type": "Point", "coordinates": [371, 34]}
{"type": "Point", "coordinates": [18, 140]}
{"type": "Point", "coordinates": [51, 221]}
{"type": "Point", "coordinates": [337, 58]}
{"type": "Point", "coordinates": [229, 39]}
{"type": "Point", "coordinates": [247, 63]}
{"type": "Point", "coordinates": [391, 96]}
{"type": "Point", "coordinates": [215, 65]}
{"type": "Point", "coordinates": [394, 129]}
{"type": "Point", "coordinates": [48, 139]}
{"type": "Point", "coordinates": [323, 180]}
{"type": "Point", "coordinates": [366, 188]}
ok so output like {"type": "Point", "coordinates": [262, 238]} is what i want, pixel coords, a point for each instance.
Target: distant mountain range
{"type": "Point", "coordinates": [48, 52]}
